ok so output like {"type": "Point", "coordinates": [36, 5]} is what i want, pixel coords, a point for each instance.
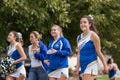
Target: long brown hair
{"type": "Point", "coordinates": [91, 21]}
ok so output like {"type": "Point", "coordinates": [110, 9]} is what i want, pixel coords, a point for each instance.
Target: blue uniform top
{"type": "Point", "coordinates": [60, 59]}
{"type": "Point", "coordinates": [112, 72]}
{"type": "Point", "coordinates": [14, 54]}
{"type": "Point", "coordinates": [87, 51]}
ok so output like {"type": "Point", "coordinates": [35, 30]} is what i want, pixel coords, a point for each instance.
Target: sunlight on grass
{"type": "Point", "coordinates": [103, 78]}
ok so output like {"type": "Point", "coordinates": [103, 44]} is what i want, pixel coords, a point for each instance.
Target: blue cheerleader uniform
{"type": "Point", "coordinates": [59, 61]}
{"type": "Point", "coordinates": [112, 73]}
{"type": "Point", "coordinates": [14, 54]}
{"type": "Point", "coordinates": [88, 55]}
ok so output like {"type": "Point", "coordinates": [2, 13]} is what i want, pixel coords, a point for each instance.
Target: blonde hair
{"type": "Point", "coordinates": [20, 38]}
{"type": "Point", "coordinates": [59, 28]}
{"type": "Point", "coordinates": [37, 35]}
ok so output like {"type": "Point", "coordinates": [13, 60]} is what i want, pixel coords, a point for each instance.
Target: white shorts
{"type": "Point", "coordinates": [57, 73]}
{"type": "Point", "coordinates": [115, 76]}
{"type": "Point", "coordinates": [19, 71]}
{"type": "Point", "coordinates": [92, 69]}
{"type": "Point", "coordinates": [118, 73]}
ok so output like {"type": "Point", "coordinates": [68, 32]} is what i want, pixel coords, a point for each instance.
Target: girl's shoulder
{"type": "Point", "coordinates": [63, 39]}
{"type": "Point", "coordinates": [41, 43]}
{"type": "Point", "coordinates": [114, 64]}
{"type": "Point", "coordinates": [93, 33]}
{"type": "Point", "coordinates": [94, 36]}
{"type": "Point", "coordinates": [17, 45]}
{"type": "Point", "coordinates": [51, 40]}
{"type": "Point", "coordinates": [79, 36]}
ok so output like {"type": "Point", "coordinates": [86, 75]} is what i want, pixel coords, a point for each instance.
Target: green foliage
{"type": "Point", "coordinates": [28, 15]}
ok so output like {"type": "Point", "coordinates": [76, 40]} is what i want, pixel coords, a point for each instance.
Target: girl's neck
{"type": "Point", "coordinates": [35, 44]}
{"type": "Point", "coordinates": [56, 38]}
{"type": "Point", "coordinates": [85, 33]}
{"type": "Point", "coordinates": [12, 43]}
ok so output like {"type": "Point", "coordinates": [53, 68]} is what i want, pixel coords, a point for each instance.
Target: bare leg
{"type": "Point", "coordinates": [50, 78]}
{"type": "Point", "coordinates": [21, 77]}
{"type": "Point", "coordinates": [9, 78]}
{"type": "Point", "coordinates": [63, 77]}
{"type": "Point", "coordinates": [88, 77]}
{"type": "Point", "coordinates": [114, 79]}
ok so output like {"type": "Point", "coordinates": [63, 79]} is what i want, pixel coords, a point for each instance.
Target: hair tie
{"type": "Point", "coordinates": [19, 35]}
{"type": "Point", "coordinates": [91, 17]}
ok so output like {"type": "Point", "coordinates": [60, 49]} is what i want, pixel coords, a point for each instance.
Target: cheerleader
{"type": "Point", "coordinates": [113, 68]}
{"type": "Point", "coordinates": [16, 52]}
{"type": "Point", "coordinates": [89, 48]}
{"type": "Point", "coordinates": [58, 51]}
{"type": "Point", "coordinates": [37, 54]}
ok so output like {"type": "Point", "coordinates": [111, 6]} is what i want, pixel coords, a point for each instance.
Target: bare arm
{"type": "Point", "coordinates": [22, 54]}
{"type": "Point", "coordinates": [76, 72]}
{"type": "Point", "coordinates": [78, 60]}
{"type": "Point", "coordinates": [115, 67]}
{"type": "Point", "coordinates": [96, 41]}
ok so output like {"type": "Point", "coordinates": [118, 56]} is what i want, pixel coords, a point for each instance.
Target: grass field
{"type": "Point", "coordinates": [97, 78]}
{"type": "Point", "coordinates": [104, 78]}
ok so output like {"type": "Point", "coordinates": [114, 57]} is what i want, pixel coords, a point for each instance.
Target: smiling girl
{"type": "Point", "coordinates": [58, 51]}
{"type": "Point", "coordinates": [89, 48]}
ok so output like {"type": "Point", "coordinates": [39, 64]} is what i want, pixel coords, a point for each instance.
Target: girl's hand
{"type": "Point", "coordinates": [105, 70]}
{"type": "Point", "coordinates": [47, 62]}
{"type": "Point", "coordinates": [53, 51]}
{"type": "Point", "coordinates": [115, 67]}
{"type": "Point", "coordinates": [13, 63]}
{"type": "Point", "coordinates": [76, 72]}
{"type": "Point", "coordinates": [37, 50]}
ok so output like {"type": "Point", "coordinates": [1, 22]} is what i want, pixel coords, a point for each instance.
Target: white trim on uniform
{"type": "Point", "coordinates": [57, 73]}
{"type": "Point", "coordinates": [19, 71]}
{"type": "Point", "coordinates": [92, 69]}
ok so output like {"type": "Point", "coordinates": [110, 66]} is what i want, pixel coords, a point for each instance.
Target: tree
{"type": "Point", "coordinates": [28, 15]}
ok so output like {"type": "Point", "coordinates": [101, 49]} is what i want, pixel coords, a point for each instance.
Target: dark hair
{"type": "Point", "coordinates": [36, 34]}
{"type": "Point", "coordinates": [15, 35]}
{"type": "Point", "coordinates": [91, 21]}
{"type": "Point", "coordinates": [109, 61]}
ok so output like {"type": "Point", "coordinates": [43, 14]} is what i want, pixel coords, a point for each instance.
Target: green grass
{"type": "Point", "coordinates": [103, 78]}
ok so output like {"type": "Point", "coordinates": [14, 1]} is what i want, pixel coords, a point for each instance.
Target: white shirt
{"type": "Point", "coordinates": [34, 62]}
